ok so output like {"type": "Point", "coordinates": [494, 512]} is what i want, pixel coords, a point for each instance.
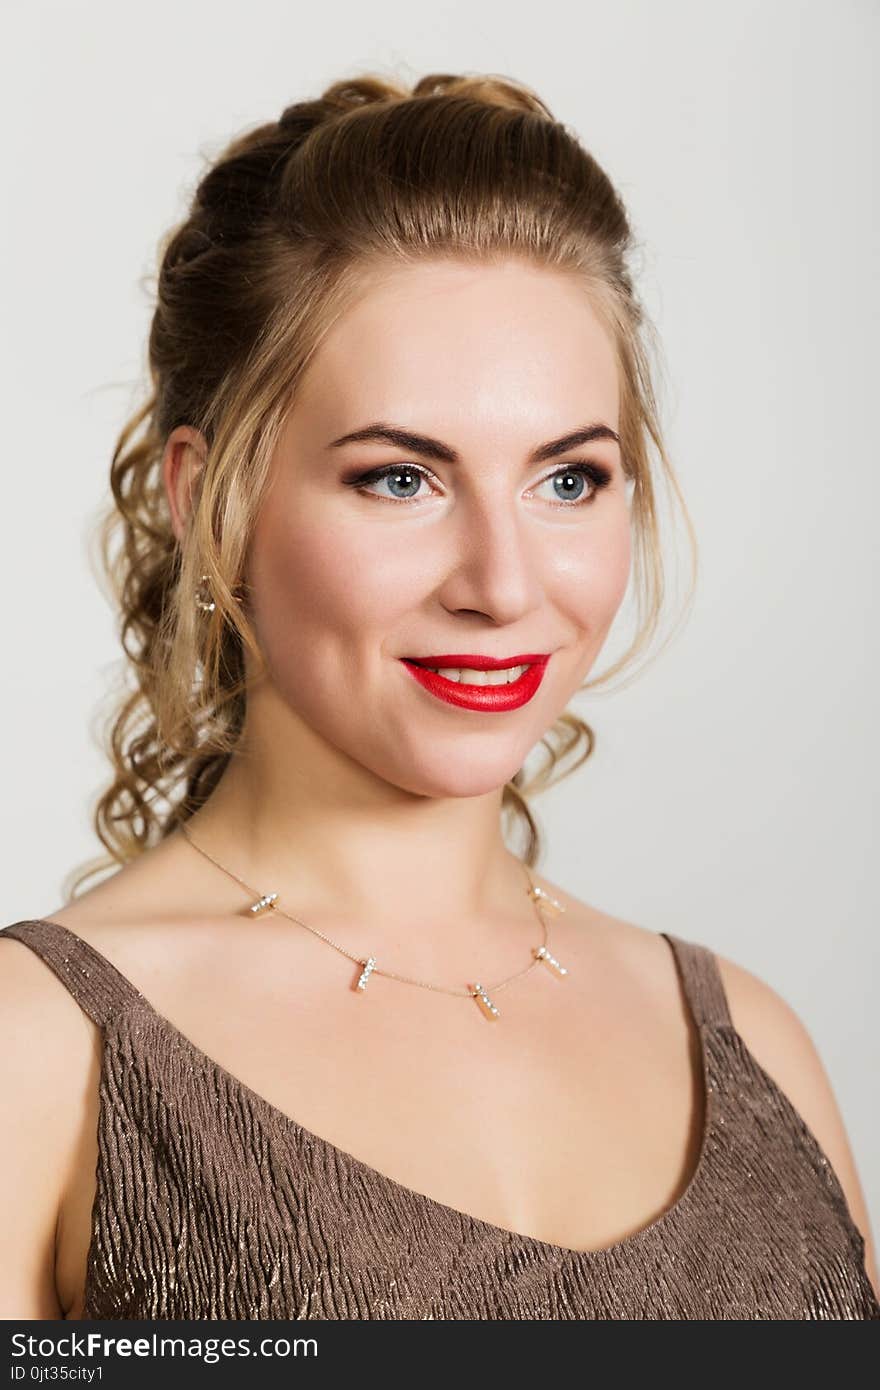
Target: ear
{"type": "Point", "coordinates": [185, 455]}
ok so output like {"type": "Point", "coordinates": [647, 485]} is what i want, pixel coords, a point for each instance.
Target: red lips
{"type": "Point", "coordinates": [488, 698]}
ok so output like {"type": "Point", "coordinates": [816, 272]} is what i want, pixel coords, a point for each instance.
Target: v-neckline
{"type": "Point", "coordinates": [286, 1125]}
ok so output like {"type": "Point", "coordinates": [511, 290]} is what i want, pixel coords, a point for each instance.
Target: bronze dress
{"type": "Point", "coordinates": [212, 1203]}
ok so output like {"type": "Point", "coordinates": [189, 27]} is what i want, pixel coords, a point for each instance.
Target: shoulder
{"type": "Point", "coordinates": [56, 1038]}
{"type": "Point", "coordinates": [51, 1063]}
{"type": "Point", "coordinates": [780, 1042]}
{"type": "Point", "coordinates": [45, 1036]}
{"type": "Point", "coordinates": [30, 991]}
{"type": "Point", "coordinates": [770, 1027]}
{"type": "Point", "coordinates": [133, 916]}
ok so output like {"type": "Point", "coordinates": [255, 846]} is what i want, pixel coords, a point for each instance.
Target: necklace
{"type": "Point", "coordinates": [269, 902]}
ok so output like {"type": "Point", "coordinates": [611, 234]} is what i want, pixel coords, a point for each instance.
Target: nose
{"type": "Point", "coordinates": [496, 566]}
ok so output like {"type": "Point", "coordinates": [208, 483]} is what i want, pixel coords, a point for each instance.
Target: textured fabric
{"type": "Point", "coordinates": [211, 1203]}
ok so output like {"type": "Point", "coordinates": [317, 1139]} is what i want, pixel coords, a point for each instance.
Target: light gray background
{"type": "Point", "coordinates": [731, 798]}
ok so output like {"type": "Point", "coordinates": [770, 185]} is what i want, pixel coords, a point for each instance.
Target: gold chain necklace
{"type": "Point", "coordinates": [268, 902]}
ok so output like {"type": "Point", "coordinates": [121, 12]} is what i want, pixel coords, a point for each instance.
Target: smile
{"type": "Point", "coordinates": [492, 690]}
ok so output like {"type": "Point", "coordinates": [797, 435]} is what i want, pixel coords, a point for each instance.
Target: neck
{"type": "Point", "coordinates": [422, 876]}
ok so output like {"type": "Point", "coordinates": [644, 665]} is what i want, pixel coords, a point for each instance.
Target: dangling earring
{"type": "Point", "coordinates": [203, 596]}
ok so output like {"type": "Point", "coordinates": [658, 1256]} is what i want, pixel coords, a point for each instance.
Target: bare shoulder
{"type": "Point", "coordinates": [131, 916]}
{"type": "Point", "coordinates": [51, 1063]}
{"type": "Point", "coordinates": [45, 1033]}
{"type": "Point", "coordinates": [781, 1043]}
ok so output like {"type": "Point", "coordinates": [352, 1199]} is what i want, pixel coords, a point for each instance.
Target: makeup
{"type": "Point", "coordinates": [487, 698]}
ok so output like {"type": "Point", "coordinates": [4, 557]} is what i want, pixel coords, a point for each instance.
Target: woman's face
{"type": "Point", "coordinates": [468, 546]}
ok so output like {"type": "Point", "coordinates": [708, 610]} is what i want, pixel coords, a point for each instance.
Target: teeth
{"type": "Point", "coordinates": [466, 677]}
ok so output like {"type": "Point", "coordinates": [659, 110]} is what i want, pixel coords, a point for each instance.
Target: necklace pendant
{"type": "Point", "coordinates": [485, 1003]}
{"type": "Point", "coordinates": [538, 895]}
{"type": "Point", "coordinates": [263, 904]}
{"type": "Point", "coordinates": [541, 953]}
{"type": "Point", "coordinates": [369, 966]}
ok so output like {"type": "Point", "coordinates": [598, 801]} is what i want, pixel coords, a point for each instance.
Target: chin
{"type": "Point", "coordinates": [456, 778]}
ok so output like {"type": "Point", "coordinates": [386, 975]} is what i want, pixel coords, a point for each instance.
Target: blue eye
{"type": "Point", "coordinates": [399, 474]}
{"type": "Point", "coordinates": [408, 476]}
{"type": "Point", "coordinates": [571, 475]}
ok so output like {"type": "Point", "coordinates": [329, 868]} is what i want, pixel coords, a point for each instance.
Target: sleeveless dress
{"type": "Point", "coordinates": [212, 1203]}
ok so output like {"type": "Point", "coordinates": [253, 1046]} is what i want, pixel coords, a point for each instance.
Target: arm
{"type": "Point", "coordinates": [37, 1130]}
{"type": "Point", "coordinates": [777, 1038]}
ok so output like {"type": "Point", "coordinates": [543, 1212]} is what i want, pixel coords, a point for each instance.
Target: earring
{"type": "Point", "coordinates": [203, 596]}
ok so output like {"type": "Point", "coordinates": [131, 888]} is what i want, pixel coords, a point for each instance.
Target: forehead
{"type": "Point", "coordinates": [509, 347]}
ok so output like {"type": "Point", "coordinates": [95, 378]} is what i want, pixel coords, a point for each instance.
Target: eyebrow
{"type": "Point", "coordinates": [443, 453]}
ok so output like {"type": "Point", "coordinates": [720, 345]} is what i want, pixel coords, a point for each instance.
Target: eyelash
{"type": "Point", "coordinates": [593, 472]}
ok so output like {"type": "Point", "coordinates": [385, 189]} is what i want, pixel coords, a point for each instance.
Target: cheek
{"type": "Point", "coordinates": [617, 561]}
{"type": "Point", "coordinates": [592, 573]}
{"type": "Point", "coordinates": [317, 582]}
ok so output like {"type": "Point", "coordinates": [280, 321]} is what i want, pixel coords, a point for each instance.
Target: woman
{"type": "Point", "coordinates": [374, 532]}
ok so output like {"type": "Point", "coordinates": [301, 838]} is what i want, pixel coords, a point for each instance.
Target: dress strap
{"type": "Point", "coordinates": [98, 987]}
{"type": "Point", "coordinates": [701, 978]}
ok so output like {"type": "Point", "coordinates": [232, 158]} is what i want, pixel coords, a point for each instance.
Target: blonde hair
{"type": "Point", "coordinates": [282, 228]}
